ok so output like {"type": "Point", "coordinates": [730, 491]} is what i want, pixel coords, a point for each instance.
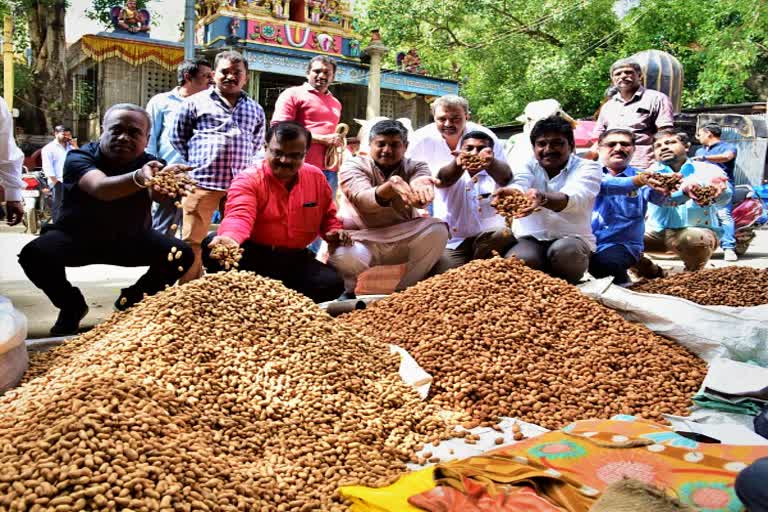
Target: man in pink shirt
{"type": "Point", "coordinates": [274, 210]}
{"type": "Point", "coordinates": [313, 106]}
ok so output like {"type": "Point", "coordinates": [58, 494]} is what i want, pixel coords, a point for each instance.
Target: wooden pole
{"type": "Point", "coordinates": [8, 61]}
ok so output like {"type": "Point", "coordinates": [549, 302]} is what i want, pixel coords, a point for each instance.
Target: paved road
{"type": "Point", "coordinates": [101, 283]}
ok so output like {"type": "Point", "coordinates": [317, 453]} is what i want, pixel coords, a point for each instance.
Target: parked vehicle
{"type": "Point", "coordinates": [749, 213]}
{"type": "Point", "coordinates": [37, 200]}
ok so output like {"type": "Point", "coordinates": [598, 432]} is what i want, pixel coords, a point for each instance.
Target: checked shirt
{"type": "Point", "coordinates": [218, 141]}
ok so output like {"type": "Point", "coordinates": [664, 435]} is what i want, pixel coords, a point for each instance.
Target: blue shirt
{"type": "Point", "coordinates": [218, 140]}
{"type": "Point", "coordinates": [618, 217]}
{"type": "Point", "coordinates": [162, 110]}
{"type": "Point", "coordinates": [680, 211]}
{"type": "Point", "coordinates": [718, 149]}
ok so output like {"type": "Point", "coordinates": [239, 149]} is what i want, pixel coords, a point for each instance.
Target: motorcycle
{"type": "Point", "coordinates": [37, 200]}
{"type": "Point", "coordinates": [749, 213]}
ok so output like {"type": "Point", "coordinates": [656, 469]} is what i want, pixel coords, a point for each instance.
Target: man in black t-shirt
{"type": "Point", "coordinates": [105, 218]}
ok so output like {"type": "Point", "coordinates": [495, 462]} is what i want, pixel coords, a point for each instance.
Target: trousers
{"type": "Point", "coordinates": [692, 245]}
{"type": "Point", "coordinates": [419, 252]}
{"type": "Point", "coordinates": [567, 258]}
{"type": "Point", "coordinates": [45, 259]}
{"type": "Point", "coordinates": [296, 269]}
{"type": "Point", "coordinates": [613, 261]}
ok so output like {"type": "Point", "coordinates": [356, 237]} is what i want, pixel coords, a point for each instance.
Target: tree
{"type": "Point", "coordinates": [507, 53]}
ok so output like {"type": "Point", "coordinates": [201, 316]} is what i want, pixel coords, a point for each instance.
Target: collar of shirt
{"type": "Point", "coordinates": [216, 95]}
{"type": "Point", "coordinates": [628, 172]}
{"type": "Point", "coordinates": [311, 89]}
{"type": "Point", "coordinates": [686, 170]}
{"type": "Point", "coordinates": [638, 94]}
{"type": "Point", "coordinates": [399, 170]}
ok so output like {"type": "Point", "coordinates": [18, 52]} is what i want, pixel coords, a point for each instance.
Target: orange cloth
{"type": "Point", "coordinates": [570, 468]}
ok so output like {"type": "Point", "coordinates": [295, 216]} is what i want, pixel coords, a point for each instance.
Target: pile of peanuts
{"type": "Point", "coordinates": [669, 181]}
{"type": "Point", "coordinates": [511, 205]}
{"type": "Point", "coordinates": [172, 184]}
{"type": "Point", "coordinates": [228, 256]}
{"type": "Point", "coordinates": [228, 393]}
{"type": "Point", "coordinates": [501, 339]}
{"type": "Point", "coordinates": [727, 286]}
{"type": "Point", "coordinates": [472, 163]}
{"type": "Point", "coordinates": [705, 194]}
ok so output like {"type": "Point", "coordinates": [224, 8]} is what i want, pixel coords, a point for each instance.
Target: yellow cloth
{"type": "Point", "coordinates": [393, 498]}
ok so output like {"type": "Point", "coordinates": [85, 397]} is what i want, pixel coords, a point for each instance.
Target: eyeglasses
{"type": "Point", "coordinates": [290, 156]}
{"type": "Point", "coordinates": [621, 143]}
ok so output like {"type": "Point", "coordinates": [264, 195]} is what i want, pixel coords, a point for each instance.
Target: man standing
{"type": "Point", "coordinates": [381, 196]}
{"type": "Point", "coordinates": [437, 142]}
{"type": "Point", "coordinates": [193, 76]}
{"type": "Point", "coordinates": [554, 234]}
{"type": "Point", "coordinates": [722, 153]}
{"type": "Point", "coordinates": [53, 155]}
{"type": "Point", "coordinates": [11, 159]}
{"type": "Point", "coordinates": [105, 218]}
{"type": "Point", "coordinates": [314, 107]}
{"type": "Point", "coordinates": [686, 226]}
{"type": "Point", "coordinates": [618, 218]}
{"type": "Point", "coordinates": [635, 108]}
{"type": "Point", "coordinates": [274, 210]}
{"type": "Point", "coordinates": [218, 133]}
{"type": "Point", "coordinates": [463, 201]}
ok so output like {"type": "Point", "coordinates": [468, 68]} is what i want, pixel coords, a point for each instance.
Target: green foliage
{"type": "Point", "coordinates": [99, 10]}
{"type": "Point", "coordinates": [507, 53]}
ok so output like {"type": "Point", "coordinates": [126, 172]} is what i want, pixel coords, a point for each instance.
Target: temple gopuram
{"type": "Point", "coordinates": [277, 37]}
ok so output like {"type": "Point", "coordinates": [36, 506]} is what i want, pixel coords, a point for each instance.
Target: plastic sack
{"type": "Point", "coordinates": [709, 332]}
{"type": "Point", "coordinates": [13, 351]}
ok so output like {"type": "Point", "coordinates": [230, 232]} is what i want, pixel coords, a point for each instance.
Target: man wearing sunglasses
{"type": "Point", "coordinates": [618, 217]}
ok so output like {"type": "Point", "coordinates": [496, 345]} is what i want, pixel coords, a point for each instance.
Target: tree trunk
{"type": "Point", "coordinates": [49, 49]}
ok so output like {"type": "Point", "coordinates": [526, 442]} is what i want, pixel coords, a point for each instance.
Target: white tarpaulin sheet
{"type": "Point", "coordinates": [709, 332]}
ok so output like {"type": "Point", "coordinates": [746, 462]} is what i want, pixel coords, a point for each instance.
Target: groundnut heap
{"type": "Point", "coordinates": [714, 287]}
{"type": "Point", "coordinates": [502, 339]}
{"type": "Point", "coordinates": [229, 393]}
{"type": "Point", "coordinates": [511, 205]}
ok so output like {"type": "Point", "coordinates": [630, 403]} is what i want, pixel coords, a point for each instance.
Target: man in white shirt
{"type": "Point", "coordinates": [437, 142]}
{"type": "Point", "coordinates": [463, 200]}
{"type": "Point", "coordinates": [11, 159]}
{"type": "Point", "coordinates": [53, 155]}
{"type": "Point", "coordinates": [555, 234]}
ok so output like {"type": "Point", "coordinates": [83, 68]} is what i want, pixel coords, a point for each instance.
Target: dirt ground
{"type": "Point", "coordinates": [101, 284]}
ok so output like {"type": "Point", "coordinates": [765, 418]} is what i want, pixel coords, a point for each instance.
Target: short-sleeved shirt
{"type": "Point", "coordinates": [162, 109]}
{"type": "Point", "coordinates": [317, 112]}
{"type": "Point", "coordinates": [84, 214]}
{"type": "Point", "coordinates": [643, 115]}
{"type": "Point", "coordinates": [718, 149]}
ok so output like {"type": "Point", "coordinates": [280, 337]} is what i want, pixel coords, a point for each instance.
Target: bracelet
{"type": "Point", "coordinates": [134, 174]}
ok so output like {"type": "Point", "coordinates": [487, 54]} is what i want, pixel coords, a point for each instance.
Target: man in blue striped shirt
{"type": "Point", "coordinates": [193, 76]}
{"type": "Point", "coordinates": [218, 132]}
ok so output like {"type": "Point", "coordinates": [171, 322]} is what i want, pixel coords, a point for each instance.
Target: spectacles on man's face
{"type": "Point", "coordinates": [298, 155]}
{"type": "Point", "coordinates": [612, 143]}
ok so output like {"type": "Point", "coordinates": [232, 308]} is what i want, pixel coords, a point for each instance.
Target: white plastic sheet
{"type": "Point", "coordinates": [709, 332]}
{"type": "Point", "coordinates": [13, 352]}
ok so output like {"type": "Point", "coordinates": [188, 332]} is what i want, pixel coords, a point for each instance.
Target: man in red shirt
{"type": "Point", "coordinates": [275, 209]}
{"type": "Point", "coordinates": [313, 106]}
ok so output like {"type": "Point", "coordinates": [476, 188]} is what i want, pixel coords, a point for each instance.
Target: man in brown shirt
{"type": "Point", "coordinates": [379, 208]}
{"type": "Point", "coordinates": [635, 108]}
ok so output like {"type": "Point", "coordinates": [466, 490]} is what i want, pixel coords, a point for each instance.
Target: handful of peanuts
{"type": "Point", "coordinates": [511, 205]}
{"type": "Point", "coordinates": [705, 194]}
{"type": "Point", "coordinates": [669, 181]}
{"type": "Point", "coordinates": [228, 256]}
{"type": "Point", "coordinates": [171, 183]}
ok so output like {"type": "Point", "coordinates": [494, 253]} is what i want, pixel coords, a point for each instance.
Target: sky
{"type": "Point", "coordinates": [170, 12]}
